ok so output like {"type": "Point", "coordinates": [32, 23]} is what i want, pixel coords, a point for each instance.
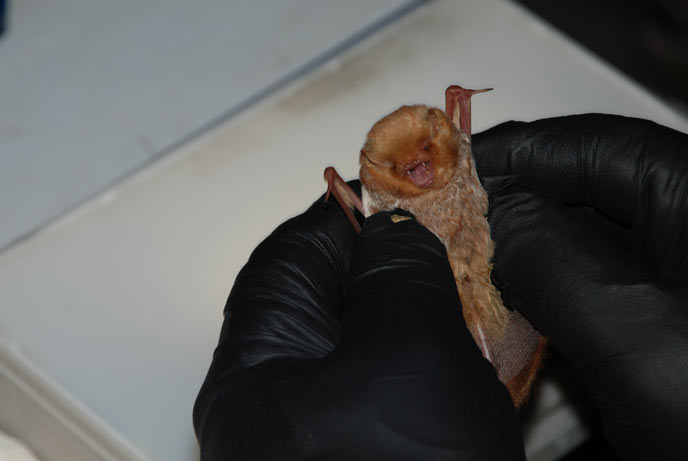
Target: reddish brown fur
{"type": "Point", "coordinates": [453, 207]}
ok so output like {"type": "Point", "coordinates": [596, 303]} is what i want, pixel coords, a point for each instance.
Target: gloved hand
{"type": "Point", "coordinates": [590, 218]}
{"type": "Point", "coordinates": [336, 346]}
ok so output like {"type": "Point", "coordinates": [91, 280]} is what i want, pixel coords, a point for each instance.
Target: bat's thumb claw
{"type": "Point", "coordinates": [328, 174]}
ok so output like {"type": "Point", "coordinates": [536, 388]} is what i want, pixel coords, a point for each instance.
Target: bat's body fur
{"type": "Point", "coordinates": [453, 207]}
{"type": "Point", "coordinates": [417, 159]}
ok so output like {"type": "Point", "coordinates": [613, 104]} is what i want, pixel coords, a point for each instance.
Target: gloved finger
{"type": "Point", "coordinates": [622, 329]}
{"type": "Point", "coordinates": [403, 328]}
{"type": "Point", "coordinates": [631, 171]}
{"type": "Point", "coordinates": [286, 301]}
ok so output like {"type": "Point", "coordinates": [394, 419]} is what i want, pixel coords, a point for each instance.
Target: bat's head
{"type": "Point", "coordinates": [410, 151]}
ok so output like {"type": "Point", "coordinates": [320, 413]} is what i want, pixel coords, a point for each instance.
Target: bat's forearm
{"type": "Point", "coordinates": [458, 106]}
{"type": "Point", "coordinates": [346, 197]}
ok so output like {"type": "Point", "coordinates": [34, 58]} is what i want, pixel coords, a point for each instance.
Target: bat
{"type": "Point", "coordinates": [419, 158]}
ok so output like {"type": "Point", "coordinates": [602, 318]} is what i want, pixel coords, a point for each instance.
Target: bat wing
{"type": "Point", "coordinates": [458, 106]}
{"type": "Point", "coordinates": [346, 197]}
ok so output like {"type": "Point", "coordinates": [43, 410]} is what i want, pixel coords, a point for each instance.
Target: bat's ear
{"type": "Point", "coordinates": [364, 158]}
{"type": "Point", "coordinates": [365, 150]}
{"type": "Point", "coordinates": [431, 117]}
{"type": "Point", "coordinates": [438, 121]}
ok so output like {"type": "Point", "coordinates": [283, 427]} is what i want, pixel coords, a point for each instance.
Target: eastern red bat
{"type": "Point", "coordinates": [419, 158]}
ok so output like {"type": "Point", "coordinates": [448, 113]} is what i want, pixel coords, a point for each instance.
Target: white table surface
{"type": "Point", "coordinates": [120, 302]}
{"type": "Point", "coordinates": [91, 90]}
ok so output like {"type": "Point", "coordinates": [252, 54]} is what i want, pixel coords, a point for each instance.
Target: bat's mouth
{"type": "Point", "coordinates": [421, 174]}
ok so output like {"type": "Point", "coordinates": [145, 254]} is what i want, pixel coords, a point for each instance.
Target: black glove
{"type": "Point", "coordinates": [336, 346]}
{"type": "Point", "coordinates": [590, 218]}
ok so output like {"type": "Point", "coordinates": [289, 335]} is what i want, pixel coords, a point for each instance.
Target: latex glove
{"type": "Point", "coordinates": [590, 218]}
{"type": "Point", "coordinates": [336, 346]}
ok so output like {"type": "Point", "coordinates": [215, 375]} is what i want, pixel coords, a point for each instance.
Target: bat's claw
{"type": "Point", "coordinates": [457, 91]}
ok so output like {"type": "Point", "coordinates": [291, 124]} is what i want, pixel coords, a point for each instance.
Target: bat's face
{"type": "Point", "coordinates": [410, 151]}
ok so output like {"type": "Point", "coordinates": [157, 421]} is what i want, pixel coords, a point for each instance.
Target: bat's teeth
{"type": "Point", "coordinates": [419, 165]}
{"type": "Point", "coordinates": [421, 175]}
